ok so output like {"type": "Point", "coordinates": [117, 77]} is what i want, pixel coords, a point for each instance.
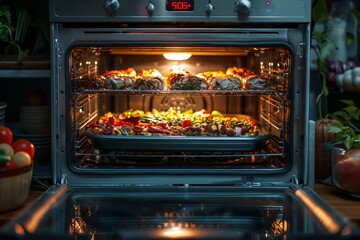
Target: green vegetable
{"type": "Point", "coordinates": [4, 158]}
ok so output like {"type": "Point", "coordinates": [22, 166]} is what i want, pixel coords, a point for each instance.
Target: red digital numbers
{"type": "Point", "coordinates": [180, 5]}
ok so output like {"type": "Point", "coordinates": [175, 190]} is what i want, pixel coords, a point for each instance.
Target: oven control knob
{"type": "Point", "coordinates": [112, 7]}
{"type": "Point", "coordinates": [208, 9]}
{"type": "Point", "coordinates": [243, 7]}
{"type": "Point", "coordinates": [150, 9]}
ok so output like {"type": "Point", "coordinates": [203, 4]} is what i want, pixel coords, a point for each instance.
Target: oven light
{"type": "Point", "coordinates": [177, 56]}
{"type": "Point", "coordinates": [178, 232]}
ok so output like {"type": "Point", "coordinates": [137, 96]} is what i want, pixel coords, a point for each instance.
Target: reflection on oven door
{"type": "Point", "coordinates": [178, 213]}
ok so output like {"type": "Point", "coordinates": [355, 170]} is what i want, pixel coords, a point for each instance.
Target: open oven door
{"type": "Point", "coordinates": [180, 212]}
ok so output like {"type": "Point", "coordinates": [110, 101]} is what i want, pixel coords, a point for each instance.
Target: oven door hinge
{"type": "Point", "coordinates": [64, 179]}
{"type": "Point", "coordinates": [294, 180]}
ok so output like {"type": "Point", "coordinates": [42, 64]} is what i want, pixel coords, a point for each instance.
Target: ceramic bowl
{"type": "Point", "coordinates": [14, 187]}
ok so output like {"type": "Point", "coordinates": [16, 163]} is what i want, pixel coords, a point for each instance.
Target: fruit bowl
{"type": "Point", "coordinates": [345, 174]}
{"type": "Point", "coordinates": [14, 187]}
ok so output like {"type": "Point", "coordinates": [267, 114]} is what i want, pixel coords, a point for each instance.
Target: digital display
{"type": "Point", "coordinates": [180, 5]}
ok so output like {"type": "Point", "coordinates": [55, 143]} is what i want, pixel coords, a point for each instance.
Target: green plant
{"type": "Point", "coordinates": [13, 30]}
{"type": "Point", "coordinates": [345, 127]}
{"type": "Point", "coordinates": [323, 48]}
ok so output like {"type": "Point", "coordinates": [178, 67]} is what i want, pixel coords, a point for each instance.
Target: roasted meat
{"type": "Point", "coordinates": [119, 83]}
{"type": "Point", "coordinates": [179, 82]}
{"type": "Point", "coordinates": [180, 79]}
{"type": "Point", "coordinates": [226, 83]}
{"type": "Point", "coordinates": [256, 83]}
{"type": "Point", "coordinates": [149, 83]}
{"type": "Point", "coordinates": [149, 79]}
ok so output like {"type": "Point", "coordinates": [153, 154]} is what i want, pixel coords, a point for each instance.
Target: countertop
{"type": "Point", "coordinates": [347, 206]}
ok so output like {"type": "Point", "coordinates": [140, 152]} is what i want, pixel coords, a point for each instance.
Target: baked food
{"type": "Point", "coordinates": [226, 83]}
{"type": "Point", "coordinates": [188, 83]}
{"type": "Point", "coordinates": [94, 83]}
{"type": "Point", "coordinates": [239, 72]}
{"type": "Point", "coordinates": [149, 79]}
{"type": "Point", "coordinates": [181, 79]}
{"type": "Point", "coordinates": [219, 80]}
{"type": "Point", "coordinates": [119, 83]}
{"type": "Point", "coordinates": [120, 79]}
{"type": "Point", "coordinates": [129, 72]}
{"type": "Point", "coordinates": [256, 83]}
{"type": "Point", "coordinates": [172, 122]}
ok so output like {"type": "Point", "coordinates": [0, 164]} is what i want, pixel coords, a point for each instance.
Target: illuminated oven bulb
{"type": "Point", "coordinates": [177, 56]}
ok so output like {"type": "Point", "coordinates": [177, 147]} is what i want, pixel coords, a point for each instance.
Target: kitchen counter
{"type": "Point", "coordinates": [345, 205]}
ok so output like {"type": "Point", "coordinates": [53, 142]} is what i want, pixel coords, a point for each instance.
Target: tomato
{"type": "Point", "coordinates": [22, 159]}
{"type": "Point", "coordinates": [6, 149]}
{"type": "Point", "coordinates": [6, 135]}
{"type": "Point", "coordinates": [347, 171]}
{"type": "Point", "coordinates": [186, 123]}
{"type": "Point", "coordinates": [10, 164]}
{"type": "Point", "coordinates": [24, 145]}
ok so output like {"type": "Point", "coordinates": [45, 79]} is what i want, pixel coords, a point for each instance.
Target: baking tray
{"type": "Point", "coordinates": [176, 143]}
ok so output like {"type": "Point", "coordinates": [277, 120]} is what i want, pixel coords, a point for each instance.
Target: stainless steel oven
{"type": "Point", "coordinates": [181, 119]}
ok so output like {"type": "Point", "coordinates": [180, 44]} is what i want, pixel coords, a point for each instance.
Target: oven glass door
{"type": "Point", "coordinates": [178, 213]}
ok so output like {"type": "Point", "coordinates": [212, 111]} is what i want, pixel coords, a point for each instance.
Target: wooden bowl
{"type": "Point", "coordinates": [14, 187]}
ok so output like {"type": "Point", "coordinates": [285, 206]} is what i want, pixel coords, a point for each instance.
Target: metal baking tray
{"type": "Point", "coordinates": [176, 143]}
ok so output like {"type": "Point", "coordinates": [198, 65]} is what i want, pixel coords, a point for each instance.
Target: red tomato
{"type": "Point", "coordinates": [6, 135]}
{"type": "Point", "coordinates": [347, 171]}
{"type": "Point", "coordinates": [8, 165]}
{"type": "Point", "coordinates": [186, 123]}
{"type": "Point", "coordinates": [24, 145]}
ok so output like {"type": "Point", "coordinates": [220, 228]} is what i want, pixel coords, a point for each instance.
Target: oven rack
{"type": "Point", "coordinates": [142, 154]}
{"type": "Point", "coordinates": [179, 159]}
{"type": "Point", "coordinates": [180, 92]}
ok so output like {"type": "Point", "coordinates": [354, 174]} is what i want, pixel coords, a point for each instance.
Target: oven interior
{"type": "Point", "coordinates": [269, 106]}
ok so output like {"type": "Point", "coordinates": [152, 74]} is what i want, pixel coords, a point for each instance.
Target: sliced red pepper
{"type": "Point", "coordinates": [253, 123]}
{"type": "Point", "coordinates": [162, 125]}
{"type": "Point", "coordinates": [132, 120]}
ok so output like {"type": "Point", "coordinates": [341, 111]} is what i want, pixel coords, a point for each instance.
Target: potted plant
{"type": "Point", "coordinates": [12, 34]}
{"type": "Point", "coordinates": [346, 125]}
{"type": "Point", "coordinates": [21, 28]}
{"type": "Point", "coordinates": [346, 152]}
